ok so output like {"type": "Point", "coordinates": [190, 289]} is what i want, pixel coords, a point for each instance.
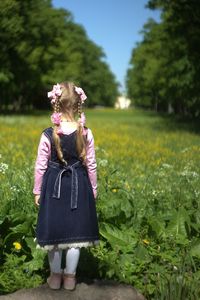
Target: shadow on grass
{"type": "Point", "coordinates": [87, 269]}
{"type": "Point", "coordinates": [33, 113]}
{"type": "Point", "coordinates": [170, 122]}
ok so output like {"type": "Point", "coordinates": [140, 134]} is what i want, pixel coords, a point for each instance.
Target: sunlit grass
{"type": "Point", "coordinates": [137, 142]}
{"type": "Point", "coordinates": [148, 188]}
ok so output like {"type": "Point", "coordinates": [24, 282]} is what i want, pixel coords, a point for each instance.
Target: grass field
{"type": "Point", "coordinates": [148, 196]}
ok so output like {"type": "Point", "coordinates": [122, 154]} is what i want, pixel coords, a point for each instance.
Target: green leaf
{"type": "Point", "coordinates": [115, 236]}
{"type": "Point", "coordinates": [157, 225]}
{"type": "Point", "coordinates": [195, 249]}
{"type": "Point", "coordinates": [142, 253]}
{"type": "Point", "coordinates": [177, 223]}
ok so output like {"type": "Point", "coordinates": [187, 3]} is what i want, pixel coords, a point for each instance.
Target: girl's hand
{"type": "Point", "coordinates": [95, 194]}
{"type": "Point", "coordinates": [37, 200]}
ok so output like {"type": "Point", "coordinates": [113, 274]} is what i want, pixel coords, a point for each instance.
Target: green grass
{"type": "Point", "coordinates": [148, 198]}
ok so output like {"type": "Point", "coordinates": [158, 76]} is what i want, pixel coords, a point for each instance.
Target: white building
{"type": "Point", "coordinates": [122, 102]}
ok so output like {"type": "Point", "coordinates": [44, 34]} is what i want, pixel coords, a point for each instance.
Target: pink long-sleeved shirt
{"type": "Point", "coordinates": [44, 152]}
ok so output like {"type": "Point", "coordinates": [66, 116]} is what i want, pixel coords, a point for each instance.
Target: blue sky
{"type": "Point", "coordinates": [112, 24]}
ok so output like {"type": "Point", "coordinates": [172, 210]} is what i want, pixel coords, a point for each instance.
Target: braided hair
{"type": "Point", "coordinates": [81, 139]}
{"type": "Point", "coordinates": [69, 103]}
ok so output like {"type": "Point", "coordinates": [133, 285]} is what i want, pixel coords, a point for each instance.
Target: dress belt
{"type": "Point", "coordinates": [74, 182]}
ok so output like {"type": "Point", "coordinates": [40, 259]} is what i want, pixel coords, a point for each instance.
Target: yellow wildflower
{"type": "Point", "coordinates": [127, 185]}
{"type": "Point", "coordinates": [17, 245]}
{"type": "Point", "coordinates": [146, 242]}
{"type": "Point", "coordinates": [114, 190]}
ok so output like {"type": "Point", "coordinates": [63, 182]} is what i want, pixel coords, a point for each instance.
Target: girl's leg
{"type": "Point", "coordinates": [55, 256]}
{"type": "Point", "coordinates": [54, 280]}
{"type": "Point", "coordinates": [72, 259]}
{"type": "Point", "coordinates": [69, 278]}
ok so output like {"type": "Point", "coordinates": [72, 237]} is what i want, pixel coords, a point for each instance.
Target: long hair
{"type": "Point", "coordinates": [69, 103]}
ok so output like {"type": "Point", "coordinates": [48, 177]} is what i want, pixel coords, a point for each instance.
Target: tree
{"type": "Point", "coordinates": [164, 67]}
{"type": "Point", "coordinates": [41, 45]}
{"type": "Point", "coordinates": [182, 21]}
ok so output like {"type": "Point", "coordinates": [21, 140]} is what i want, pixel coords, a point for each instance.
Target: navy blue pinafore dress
{"type": "Point", "coordinates": [67, 213]}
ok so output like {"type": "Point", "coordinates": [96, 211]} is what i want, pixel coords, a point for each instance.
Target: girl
{"type": "Point", "coordinates": [65, 186]}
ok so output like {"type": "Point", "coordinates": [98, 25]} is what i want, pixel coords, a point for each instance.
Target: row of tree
{"type": "Point", "coordinates": [40, 46]}
{"type": "Point", "coordinates": [164, 71]}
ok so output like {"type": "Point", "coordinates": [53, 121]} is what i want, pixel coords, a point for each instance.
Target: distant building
{"type": "Point", "coordinates": [122, 102]}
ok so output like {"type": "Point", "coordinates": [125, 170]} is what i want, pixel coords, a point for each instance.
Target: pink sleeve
{"type": "Point", "coordinates": [44, 151]}
{"type": "Point", "coordinates": [91, 162]}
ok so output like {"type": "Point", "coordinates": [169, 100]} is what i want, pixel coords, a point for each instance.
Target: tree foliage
{"type": "Point", "coordinates": [41, 45]}
{"type": "Point", "coordinates": [164, 67]}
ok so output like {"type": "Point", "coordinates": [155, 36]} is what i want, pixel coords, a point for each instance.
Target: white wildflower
{"type": "Point", "coordinates": [188, 173]}
{"type": "Point", "coordinates": [14, 189]}
{"type": "Point", "coordinates": [103, 162]}
{"type": "Point", "coordinates": [154, 193]}
{"type": "Point", "coordinates": [3, 168]}
{"type": "Point", "coordinates": [194, 174]}
{"type": "Point", "coordinates": [185, 150]}
{"type": "Point", "coordinates": [167, 166]}
{"type": "Point", "coordinates": [162, 174]}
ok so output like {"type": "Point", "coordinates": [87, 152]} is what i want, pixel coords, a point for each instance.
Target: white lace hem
{"type": "Point", "coordinates": [67, 245]}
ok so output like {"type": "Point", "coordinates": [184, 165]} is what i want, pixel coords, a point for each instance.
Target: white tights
{"type": "Point", "coordinates": [72, 258]}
